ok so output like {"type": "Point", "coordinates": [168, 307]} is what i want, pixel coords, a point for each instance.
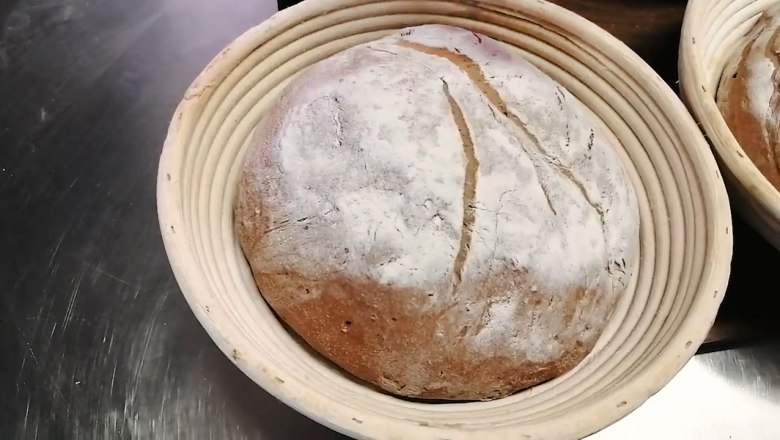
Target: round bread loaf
{"type": "Point", "coordinates": [749, 95]}
{"type": "Point", "coordinates": [437, 216]}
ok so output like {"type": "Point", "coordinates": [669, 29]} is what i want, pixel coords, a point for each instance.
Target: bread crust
{"type": "Point", "coordinates": [749, 95]}
{"type": "Point", "coordinates": [469, 251]}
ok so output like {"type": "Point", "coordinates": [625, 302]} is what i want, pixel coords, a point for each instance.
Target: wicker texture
{"type": "Point", "coordinates": [712, 31]}
{"type": "Point", "coordinates": [685, 229]}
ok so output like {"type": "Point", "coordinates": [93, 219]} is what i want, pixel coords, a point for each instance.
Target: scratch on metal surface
{"type": "Point", "coordinates": [44, 311]}
{"type": "Point", "coordinates": [178, 424]}
{"type": "Point", "coordinates": [72, 301]}
{"type": "Point", "coordinates": [113, 277]}
{"type": "Point", "coordinates": [100, 271]}
{"type": "Point", "coordinates": [19, 380]}
{"type": "Point", "coordinates": [26, 414]}
{"type": "Point", "coordinates": [32, 353]}
{"type": "Point", "coordinates": [63, 400]}
{"type": "Point", "coordinates": [113, 379]}
{"type": "Point", "coordinates": [105, 334]}
{"type": "Point", "coordinates": [57, 249]}
{"type": "Point", "coordinates": [146, 336]}
{"type": "Point", "coordinates": [56, 388]}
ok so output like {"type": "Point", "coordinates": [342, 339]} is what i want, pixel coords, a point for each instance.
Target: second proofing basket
{"type": "Point", "coordinates": [685, 220]}
{"type": "Point", "coordinates": [712, 32]}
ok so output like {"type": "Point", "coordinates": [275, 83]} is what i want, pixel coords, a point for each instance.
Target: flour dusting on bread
{"type": "Point", "coordinates": [484, 213]}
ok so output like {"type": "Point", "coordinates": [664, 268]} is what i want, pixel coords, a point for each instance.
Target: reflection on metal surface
{"type": "Point", "coordinates": [732, 394]}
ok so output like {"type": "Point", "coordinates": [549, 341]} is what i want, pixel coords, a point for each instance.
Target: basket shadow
{"type": "Point", "coordinates": [749, 310]}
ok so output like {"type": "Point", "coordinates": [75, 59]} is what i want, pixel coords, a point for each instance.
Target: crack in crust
{"type": "Point", "coordinates": [337, 120]}
{"type": "Point", "coordinates": [469, 185]}
{"type": "Point", "coordinates": [475, 74]}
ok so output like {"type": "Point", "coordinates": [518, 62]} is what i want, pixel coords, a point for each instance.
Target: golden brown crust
{"type": "Point", "coordinates": [380, 335]}
{"type": "Point", "coordinates": [757, 134]}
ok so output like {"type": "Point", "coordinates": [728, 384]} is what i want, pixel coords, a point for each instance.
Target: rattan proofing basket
{"type": "Point", "coordinates": [685, 229]}
{"type": "Point", "coordinates": [712, 31]}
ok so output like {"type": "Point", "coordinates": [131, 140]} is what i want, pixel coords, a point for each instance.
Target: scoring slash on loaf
{"type": "Point", "coordinates": [749, 95]}
{"type": "Point", "coordinates": [437, 216]}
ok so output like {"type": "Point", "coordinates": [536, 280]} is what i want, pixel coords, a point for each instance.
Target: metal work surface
{"type": "Point", "coordinates": [97, 340]}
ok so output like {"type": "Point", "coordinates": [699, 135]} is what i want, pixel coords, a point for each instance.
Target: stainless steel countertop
{"type": "Point", "coordinates": [97, 340]}
{"type": "Point", "coordinates": [732, 394]}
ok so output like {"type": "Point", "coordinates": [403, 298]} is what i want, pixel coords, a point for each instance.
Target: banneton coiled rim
{"type": "Point", "coordinates": [712, 32]}
{"type": "Point", "coordinates": [685, 220]}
